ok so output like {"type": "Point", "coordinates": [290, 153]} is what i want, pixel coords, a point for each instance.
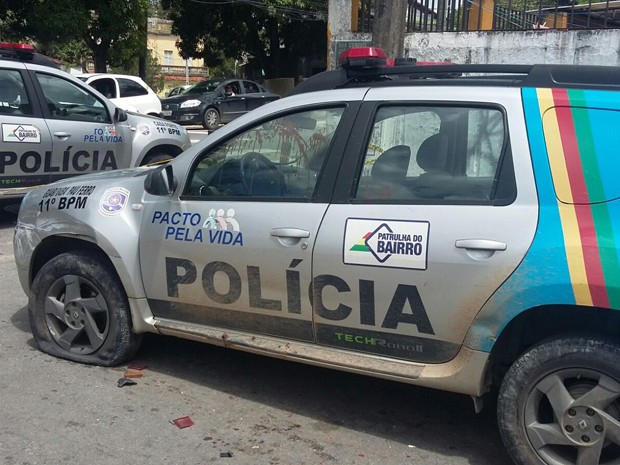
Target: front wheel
{"type": "Point", "coordinates": [78, 311]}
{"type": "Point", "coordinates": [558, 404]}
{"type": "Point", "coordinates": [211, 119]}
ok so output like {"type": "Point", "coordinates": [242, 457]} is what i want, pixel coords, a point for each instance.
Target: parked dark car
{"type": "Point", "coordinates": [216, 101]}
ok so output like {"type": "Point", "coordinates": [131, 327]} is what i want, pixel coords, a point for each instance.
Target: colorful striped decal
{"type": "Point", "coordinates": [578, 184]}
{"type": "Point", "coordinates": [575, 255]}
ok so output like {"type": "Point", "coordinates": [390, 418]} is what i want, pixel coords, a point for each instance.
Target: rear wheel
{"type": "Point", "coordinates": [558, 404]}
{"type": "Point", "coordinates": [78, 310]}
{"type": "Point", "coordinates": [211, 119]}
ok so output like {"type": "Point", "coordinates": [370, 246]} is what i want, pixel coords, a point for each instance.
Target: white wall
{"type": "Point", "coordinates": [595, 47]}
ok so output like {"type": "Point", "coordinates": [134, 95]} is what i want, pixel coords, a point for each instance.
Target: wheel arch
{"type": "Point", "coordinates": [53, 246]}
{"type": "Point", "coordinates": [543, 322]}
{"type": "Point", "coordinates": [173, 150]}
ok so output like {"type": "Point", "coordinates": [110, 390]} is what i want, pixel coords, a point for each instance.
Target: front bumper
{"type": "Point", "coordinates": [183, 115]}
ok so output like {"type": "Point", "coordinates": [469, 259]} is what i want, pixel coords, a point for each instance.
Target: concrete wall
{"type": "Point", "coordinates": [593, 47]}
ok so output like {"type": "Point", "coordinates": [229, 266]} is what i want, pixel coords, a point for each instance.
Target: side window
{"type": "Point", "coordinates": [441, 154]}
{"type": "Point", "coordinates": [13, 96]}
{"type": "Point", "coordinates": [129, 88]}
{"type": "Point", "coordinates": [250, 87]}
{"type": "Point", "coordinates": [281, 158]}
{"type": "Point", "coordinates": [67, 101]}
{"type": "Point", "coordinates": [105, 86]}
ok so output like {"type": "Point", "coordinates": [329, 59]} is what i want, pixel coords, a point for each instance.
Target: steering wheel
{"type": "Point", "coordinates": [260, 173]}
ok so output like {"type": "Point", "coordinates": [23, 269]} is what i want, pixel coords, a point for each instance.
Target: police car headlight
{"type": "Point", "coordinates": [190, 104]}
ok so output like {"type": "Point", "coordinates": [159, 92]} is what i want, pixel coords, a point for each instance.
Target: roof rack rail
{"type": "Point", "coordinates": [359, 72]}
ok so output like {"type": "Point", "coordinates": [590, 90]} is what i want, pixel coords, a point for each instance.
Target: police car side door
{"type": "Point", "coordinates": [26, 140]}
{"type": "Point", "coordinates": [85, 137]}
{"type": "Point", "coordinates": [234, 250]}
{"type": "Point", "coordinates": [427, 222]}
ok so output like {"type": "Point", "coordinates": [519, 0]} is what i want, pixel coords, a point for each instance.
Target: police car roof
{"type": "Point", "coordinates": [24, 53]}
{"type": "Point", "coordinates": [373, 71]}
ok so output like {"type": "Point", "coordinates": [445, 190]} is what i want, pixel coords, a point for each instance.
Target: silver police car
{"type": "Point", "coordinates": [54, 126]}
{"type": "Point", "coordinates": [450, 231]}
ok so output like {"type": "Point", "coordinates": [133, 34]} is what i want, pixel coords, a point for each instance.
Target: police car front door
{"type": "Point", "coordinates": [235, 250]}
{"type": "Point", "coordinates": [84, 136]}
{"type": "Point", "coordinates": [428, 233]}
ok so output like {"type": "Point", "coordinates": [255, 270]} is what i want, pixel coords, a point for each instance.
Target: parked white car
{"type": "Point", "coordinates": [128, 92]}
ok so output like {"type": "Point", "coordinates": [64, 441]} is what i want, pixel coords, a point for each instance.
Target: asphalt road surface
{"type": "Point", "coordinates": [245, 409]}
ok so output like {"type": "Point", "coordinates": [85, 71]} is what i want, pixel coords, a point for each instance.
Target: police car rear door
{"type": "Point", "coordinates": [85, 137]}
{"type": "Point", "coordinates": [26, 140]}
{"type": "Point", "coordinates": [427, 222]}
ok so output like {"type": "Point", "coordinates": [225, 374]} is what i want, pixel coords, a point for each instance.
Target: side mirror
{"type": "Point", "coordinates": [120, 115]}
{"type": "Point", "coordinates": [160, 181]}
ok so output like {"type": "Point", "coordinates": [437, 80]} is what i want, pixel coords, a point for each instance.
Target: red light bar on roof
{"type": "Point", "coordinates": [362, 57]}
{"type": "Point", "coordinates": [18, 47]}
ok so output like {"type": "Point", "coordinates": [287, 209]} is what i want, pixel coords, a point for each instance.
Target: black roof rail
{"type": "Point", "coordinates": [538, 75]}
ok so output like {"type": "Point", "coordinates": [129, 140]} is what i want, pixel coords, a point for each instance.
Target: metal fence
{"type": "Point", "coordinates": [500, 15]}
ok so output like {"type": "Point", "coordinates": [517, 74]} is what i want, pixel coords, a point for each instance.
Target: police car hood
{"type": "Point", "coordinates": [80, 196]}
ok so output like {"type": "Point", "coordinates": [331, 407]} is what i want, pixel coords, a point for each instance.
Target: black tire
{"type": "Point", "coordinates": [157, 158]}
{"type": "Point", "coordinates": [78, 311]}
{"type": "Point", "coordinates": [558, 403]}
{"type": "Point", "coordinates": [211, 119]}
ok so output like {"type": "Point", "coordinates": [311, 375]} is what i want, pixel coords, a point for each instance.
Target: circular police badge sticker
{"type": "Point", "coordinates": [144, 129]}
{"type": "Point", "coordinates": [113, 201]}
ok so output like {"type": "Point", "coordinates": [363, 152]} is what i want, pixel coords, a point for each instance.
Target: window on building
{"type": "Point", "coordinates": [168, 57]}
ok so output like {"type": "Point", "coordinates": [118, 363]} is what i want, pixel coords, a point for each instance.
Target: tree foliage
{"type": "Point", "coordinates": [114, 30]}
{"type": "Point", "coordinates": [271, 33]}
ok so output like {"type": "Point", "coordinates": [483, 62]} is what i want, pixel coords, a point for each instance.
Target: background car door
{"type": "Point", "coordinates": [26, 140]}
{"type": "Point", "coordinates": [428, 227]}
{"type": "Point", "coordinates": [85, 138]}
{"type": "Point", "coordinates": [256, 95]}
{"type": "Point", "coordinates": [231, 106]}
{"type": "Point", "coordinates": [234, 251]}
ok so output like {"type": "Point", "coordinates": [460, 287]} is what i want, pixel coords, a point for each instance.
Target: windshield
{"type": "Point", "coordinates": [203, 87]}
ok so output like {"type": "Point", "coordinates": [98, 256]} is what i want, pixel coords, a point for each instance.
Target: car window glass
{"type": "Point", "coordinates": [129, 88]}
{"type": "Point", "coordinates": [250, 87]}
{"type": "Point", "coordinates": [280, 158]}
{"type": "Point", "coordinates": [204, 87]}
{"type": "Point", "coordinates": [105, 86]}
{"type": "Point", "coordinates": [441, 154]}
{"type": "Point", "coordinates": [66, 100]}
{"type": "Point", "coordinates": [13, 96]}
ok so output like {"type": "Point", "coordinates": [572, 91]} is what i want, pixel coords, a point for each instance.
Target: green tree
{"type": "Point", "coordinates": [272, 32]}
{"type": "Point", "coordinates": [113, 30]}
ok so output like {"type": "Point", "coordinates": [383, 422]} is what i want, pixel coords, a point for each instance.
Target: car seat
{"type": "Point", "coordinates": [432, 157]}
{"type": "Point", "coordinates": [388, 174]}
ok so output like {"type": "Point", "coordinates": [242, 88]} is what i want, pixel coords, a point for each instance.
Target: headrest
{"type": "Point", "coordinates": [392, 165]}
{"type": "Point", "coordinates": [433, 153]}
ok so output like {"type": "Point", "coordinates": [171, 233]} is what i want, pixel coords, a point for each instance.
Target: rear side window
{"type": "Point", "coordinates": [582, 144]}
{"type": "Point", "coordinates": [438, 154]}
{"type": "Point", "coordinates": [129, 88]}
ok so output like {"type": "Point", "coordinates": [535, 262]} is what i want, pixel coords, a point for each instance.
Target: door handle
{"type": "Point", "coordinates": [62, 135]}
{"type": "Point", "coordinates": [290, 232]}
{"type": "Point", "coordinates": [480, 244]}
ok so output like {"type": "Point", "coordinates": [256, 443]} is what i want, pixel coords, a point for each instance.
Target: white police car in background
{"type": "Point", "coordinates": [55, 126]}
{"type": "Point", "coordinates": [127, 92]}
